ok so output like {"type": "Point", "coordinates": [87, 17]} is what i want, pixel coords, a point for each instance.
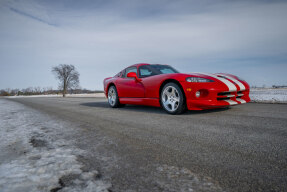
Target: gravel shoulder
{"type": "Point", "coordinates": [138, 148]}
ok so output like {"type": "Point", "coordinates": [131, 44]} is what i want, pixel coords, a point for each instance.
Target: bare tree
{"type": "Point", "coordinates": [68, 77]}
{"type": "Point", "coordinates": [37, 90]}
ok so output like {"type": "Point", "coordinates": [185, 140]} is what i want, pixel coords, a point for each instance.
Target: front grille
{"type": "Point", "coordinates": [229, 95]}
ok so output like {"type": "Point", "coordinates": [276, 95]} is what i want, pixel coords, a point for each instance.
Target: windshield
{"type": "Point", "coordinates": [150, 70]}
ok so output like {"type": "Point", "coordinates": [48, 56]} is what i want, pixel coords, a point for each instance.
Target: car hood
{"type": "Point", "coordinates": [231, 81]}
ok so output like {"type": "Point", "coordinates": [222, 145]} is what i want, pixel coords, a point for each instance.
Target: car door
{"type": "Point", "coordinates": [129, 87]}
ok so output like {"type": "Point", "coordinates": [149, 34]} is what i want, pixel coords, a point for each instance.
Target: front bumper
{"type": "Point", "coordinates": [212, 96]}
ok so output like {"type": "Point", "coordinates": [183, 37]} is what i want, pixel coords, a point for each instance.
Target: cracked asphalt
{"type": "Point", "coordinates": [137, 148]}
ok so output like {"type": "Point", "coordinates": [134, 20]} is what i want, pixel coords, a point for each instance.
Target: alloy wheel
{"type": "Point", "coordinates": [112, 96]}
{"type": "Point", "coordinates": [170, 98]}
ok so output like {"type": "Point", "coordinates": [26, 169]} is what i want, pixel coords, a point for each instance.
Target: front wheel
{"type": "Point", "coordinates": [113, 97]}
{"type": "Point", "coordinates": [172, 99]}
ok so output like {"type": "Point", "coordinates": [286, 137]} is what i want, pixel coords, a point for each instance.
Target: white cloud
{"type": "Point", "coordinates": [100, 42]}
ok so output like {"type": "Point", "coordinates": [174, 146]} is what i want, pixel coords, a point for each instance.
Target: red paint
{"type": "Point", "coordinates": [146, 91]}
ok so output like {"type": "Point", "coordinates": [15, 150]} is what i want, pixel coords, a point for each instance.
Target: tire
{"type": "Point", "coordinates": [172, 99]}
{"type": "Point", "coordinates": [113, 98]}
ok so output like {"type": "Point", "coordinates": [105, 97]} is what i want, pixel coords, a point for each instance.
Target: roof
{"type": "Point", "coordinates": [139, 64]}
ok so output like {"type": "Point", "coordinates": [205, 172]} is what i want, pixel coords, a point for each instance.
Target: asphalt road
{"type": "Point", "coordinates": [243, 148]}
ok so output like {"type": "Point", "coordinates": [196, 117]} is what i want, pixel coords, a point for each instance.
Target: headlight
{"type": "Point", "coordinates": [198, 80]}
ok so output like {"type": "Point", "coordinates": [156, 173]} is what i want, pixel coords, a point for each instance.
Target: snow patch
{"type": "Point", "coordinates": [35, 156]}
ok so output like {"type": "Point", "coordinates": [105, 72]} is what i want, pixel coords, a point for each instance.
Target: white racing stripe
{"type": "Point", "coordinates": [241, 100]}
{"type": "Point", "coordinates": [242, 87]}
{"type": "Point", "coordinates": [231, 102]}
{"type": "Point", "coordinates": [230, 85]}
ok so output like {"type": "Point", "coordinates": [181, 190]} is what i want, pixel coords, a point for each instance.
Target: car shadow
{"type": "Point", "coordinates": [96, 104]}
{"type": "Point", "coordinates": [134, 108]}
{"type": "Point", "coordinates": [149, 109]}
{"type": "Point", "coordinates": [206, 111]}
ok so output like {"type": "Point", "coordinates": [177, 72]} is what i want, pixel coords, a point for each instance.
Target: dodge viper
{"type": "Point", "coordinates": [163, 86]}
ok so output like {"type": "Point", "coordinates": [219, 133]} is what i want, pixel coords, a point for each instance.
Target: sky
{"type": "Point", "coordinates": [102, 37]}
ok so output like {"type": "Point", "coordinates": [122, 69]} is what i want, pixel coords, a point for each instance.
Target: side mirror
{"type": "Point", "coordinates": [133, 75]}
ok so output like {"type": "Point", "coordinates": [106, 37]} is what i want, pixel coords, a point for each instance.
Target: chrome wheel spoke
{"type": "Point", "coordinates": [173, 92]}
{"type": "Point", "coordinates": [172, 106]}
{"type": "Point", "coordinates": [167, 93]}
{"type": "Point", "coordinates": [166, 102]}
{"type": "Point", "coordinates": [176, 99]}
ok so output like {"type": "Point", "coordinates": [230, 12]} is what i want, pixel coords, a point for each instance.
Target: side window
{"type": "Point", "coordinates": [130, 69]}
{"type": "Point", "coordinates": [144, 71]}
{"type": "Point", "coordinates": [123, 73]}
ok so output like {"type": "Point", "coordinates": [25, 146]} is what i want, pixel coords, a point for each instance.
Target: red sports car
{"type": "Point", "coordinates": [163, 86]}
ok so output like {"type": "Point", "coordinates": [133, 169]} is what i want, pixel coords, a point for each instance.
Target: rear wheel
{"type": "Point", "coordinates": [172, 99]}
{"type": "Point", "coordinates": [113, 97]}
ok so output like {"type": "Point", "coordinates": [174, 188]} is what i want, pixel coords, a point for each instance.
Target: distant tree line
{"type": "Point", "coordinates": [42, 91]}
{"type": "Point", "coordinates": [273, 86]}
{"type": "Point", "coordinates": [279, 86]}
{"type": "Point", "coordinates": [69, 83]}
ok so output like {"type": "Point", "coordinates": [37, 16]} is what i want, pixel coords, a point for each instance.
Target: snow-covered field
{"type": "Point", "coordinates": [36, 156]}
{"type": "Point", "coordinates": [268, 95]}
{"type": "Point", "coordinates": [68, 95]}
{"type": "Point", "coordinates": [260, 95]}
